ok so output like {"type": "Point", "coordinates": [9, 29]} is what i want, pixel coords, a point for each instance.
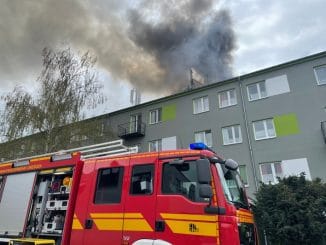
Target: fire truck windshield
{"type": "Point", "coordinates": [232, 186]}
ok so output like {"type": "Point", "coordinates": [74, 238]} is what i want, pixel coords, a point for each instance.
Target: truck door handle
{"type": "Point", "coordinates": [88, 224]}
{"type": "Point", "coordinates": [159, 225]}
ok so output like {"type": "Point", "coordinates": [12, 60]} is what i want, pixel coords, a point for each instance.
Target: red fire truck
{"type": "Point", "coordinates": [108, 194]}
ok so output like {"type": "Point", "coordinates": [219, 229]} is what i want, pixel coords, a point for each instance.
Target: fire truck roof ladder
{"type": "Point", "coordinates": [109, 148]}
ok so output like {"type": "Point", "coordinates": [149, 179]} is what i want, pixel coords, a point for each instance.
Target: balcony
{"type": "Point", "coordinates": [131, 130]}
{"type": "Point", "coordinates": [323, 130]}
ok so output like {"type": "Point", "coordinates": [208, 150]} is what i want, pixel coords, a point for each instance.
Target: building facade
{"type": "Point", "coordinates": [272, 122]}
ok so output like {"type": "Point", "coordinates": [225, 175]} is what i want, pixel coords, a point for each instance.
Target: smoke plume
{"type": "Point", "coordinates": [150, 44]}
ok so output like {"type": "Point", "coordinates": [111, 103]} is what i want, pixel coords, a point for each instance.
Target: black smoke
{"type": "Point", "coordinates": [150, 44]}
{"type": "Point", "coordinates": [188, 34]}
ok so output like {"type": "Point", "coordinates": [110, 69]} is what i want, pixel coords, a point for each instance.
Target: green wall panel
{"type": "Point", "coordinates": [169, 112]}
{"type": "Point", "coordinates": [286, 125]}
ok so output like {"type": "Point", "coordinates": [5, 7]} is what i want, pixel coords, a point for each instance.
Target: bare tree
{"type": "Point", "coordinates": [67, 85]}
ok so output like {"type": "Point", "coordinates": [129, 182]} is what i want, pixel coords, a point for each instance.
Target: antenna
{"type": "Point", "coordinates": [196, 79]}
{"type": "Point", "coordinates": [135, 96]}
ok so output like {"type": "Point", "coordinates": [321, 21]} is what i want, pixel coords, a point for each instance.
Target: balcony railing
{"type": "Point", "coordinates": [131, 130]}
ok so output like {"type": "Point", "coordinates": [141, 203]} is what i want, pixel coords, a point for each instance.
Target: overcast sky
{"type": "Point", "coordinates": [150, 45]}
{"type": "Point", "coordinates": [272, 32]}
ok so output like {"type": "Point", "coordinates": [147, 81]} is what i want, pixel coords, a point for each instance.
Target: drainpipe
{"type": "Point", "coordinates": [244, 114]}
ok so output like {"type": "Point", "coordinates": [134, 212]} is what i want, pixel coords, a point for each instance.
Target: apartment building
{"type": "Point", "coordinates": [272, 121]}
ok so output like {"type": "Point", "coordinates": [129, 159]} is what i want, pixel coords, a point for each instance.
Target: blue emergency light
{"type": "Point", "coordinates": [198, 146]}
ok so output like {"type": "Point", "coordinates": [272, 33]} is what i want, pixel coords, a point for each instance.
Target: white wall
{"type": "Point", "coordinates": [277, 85]}
{"type": "Point", "coordinates": [169, 143]}
{"type": "Point", "coordinates": [295, 167]}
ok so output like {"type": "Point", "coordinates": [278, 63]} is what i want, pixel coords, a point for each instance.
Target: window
{"type": "Point", "coordinates": [181, 180]}
{"type": "Point", "coordinates": [135, 123]}
{"type": "Point", "coordinates": [227, 98]}
{"type": "Point", "coordinates": [232, 135]}
{"type": "Point", "coordinates": [155, 145]}
{"type": "Point", "coordinates": [142, 179]}
{"type": "Point", "coordinates": [155, 116]}
{"type": "Point", "coordinates": [243, 174]}
{"type": "Point", "coordinates": [109, 185]}
{"type": "Point", "coordinates": [257, 91]}
{"type": "Point", "coordinates": [270, 172]}
{"type": "Point", "coordinates": [204, 136]}
{"type": "Point", "coordinates": [200, 105]}
{"type": "Point", "coordinates": [320, 73]}
{"type": "Point", "coordinates": [264, 129]}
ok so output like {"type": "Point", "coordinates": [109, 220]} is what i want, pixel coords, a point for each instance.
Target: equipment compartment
{"type": "Point", "coordinates": [50, 203]}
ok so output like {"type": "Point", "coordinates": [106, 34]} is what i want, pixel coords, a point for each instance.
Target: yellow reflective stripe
{"type": "Point", "coordinates": [5, 164]}
{"type": "Point", "coordinates": [109, 224]}
{"type": "Point", "coordinates": [115, 221]}
{"type": "Point", "coordinates": [117, 215]}
{"type": "Point", "coordinates": [245, 217]}
{"type": "Point", "coordinates": [176, 153]}
{"type": "Point", "coordinates": [63, 169]}
{"type": "Point", "coordinates": [107, 215]}
{"type": "Point", "coordinates": [136, 225]}
{"type": "Point", "coordinates": [49, 171]}
{"type": "Point", "coordinates": [193, 228]}
{"type": "Point", "coordinates": [134, 215]}
{"type": "Point", "coordinates": [76, 225]}
{"type": "Point", "coordinates": [198, 217]}
{"type": "Point", "coordinates": [40, 159]}
{"type": "Point", "coordinates": [33, 241]}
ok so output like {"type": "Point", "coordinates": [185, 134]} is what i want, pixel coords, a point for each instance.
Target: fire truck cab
{"type": "Point", "coordinates": [188, 196]}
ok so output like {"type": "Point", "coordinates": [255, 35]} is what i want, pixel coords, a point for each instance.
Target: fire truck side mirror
{"type": "Point", "coordinates": [203, 171]}
{"type": "Point", "coordinates": [205, 191]}
{"type": "Point", "coordinates": [231, 164]}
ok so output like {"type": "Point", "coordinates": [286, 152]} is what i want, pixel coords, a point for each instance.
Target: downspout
{"type": "Point", "coordinates": [244, 114]}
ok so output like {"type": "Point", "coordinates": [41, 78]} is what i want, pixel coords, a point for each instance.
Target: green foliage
{"type": "Point", "coordinates": [67, 85]}
{"type": "Point", "coordinates": [292, 211]}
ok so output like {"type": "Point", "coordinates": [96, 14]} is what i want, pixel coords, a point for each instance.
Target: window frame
{"type": "Point", "coordinates": [202, 104]}
{"type": "Point", "coordinates": [228, 95]}
{"type": "Point", "coordinates": [152, 170]}
{"type": "Point", "coordinates": [258, 87]}
{"type": "Point", "coordinates": [120, 187]}
{"type": "Point", "coordinates": [205, 133]}
{"type": "Point", "coordinates": [316, 76]}
{"type": "Point", "coordinates": [164, 190]}
{"type": "Point", "coordinates": [274, 175]}
{"type": "Point", "coordinates": [158, 144]}
{"type": "Point", "coordinates": [233, 135]}
{"type": "Point", "coordinates": [265, 129]}
{"type": "Point", "coordinates": [157, 116]}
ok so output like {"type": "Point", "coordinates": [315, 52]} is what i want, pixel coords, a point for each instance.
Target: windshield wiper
{"type": "Point", "coordinates": [240, 204]}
